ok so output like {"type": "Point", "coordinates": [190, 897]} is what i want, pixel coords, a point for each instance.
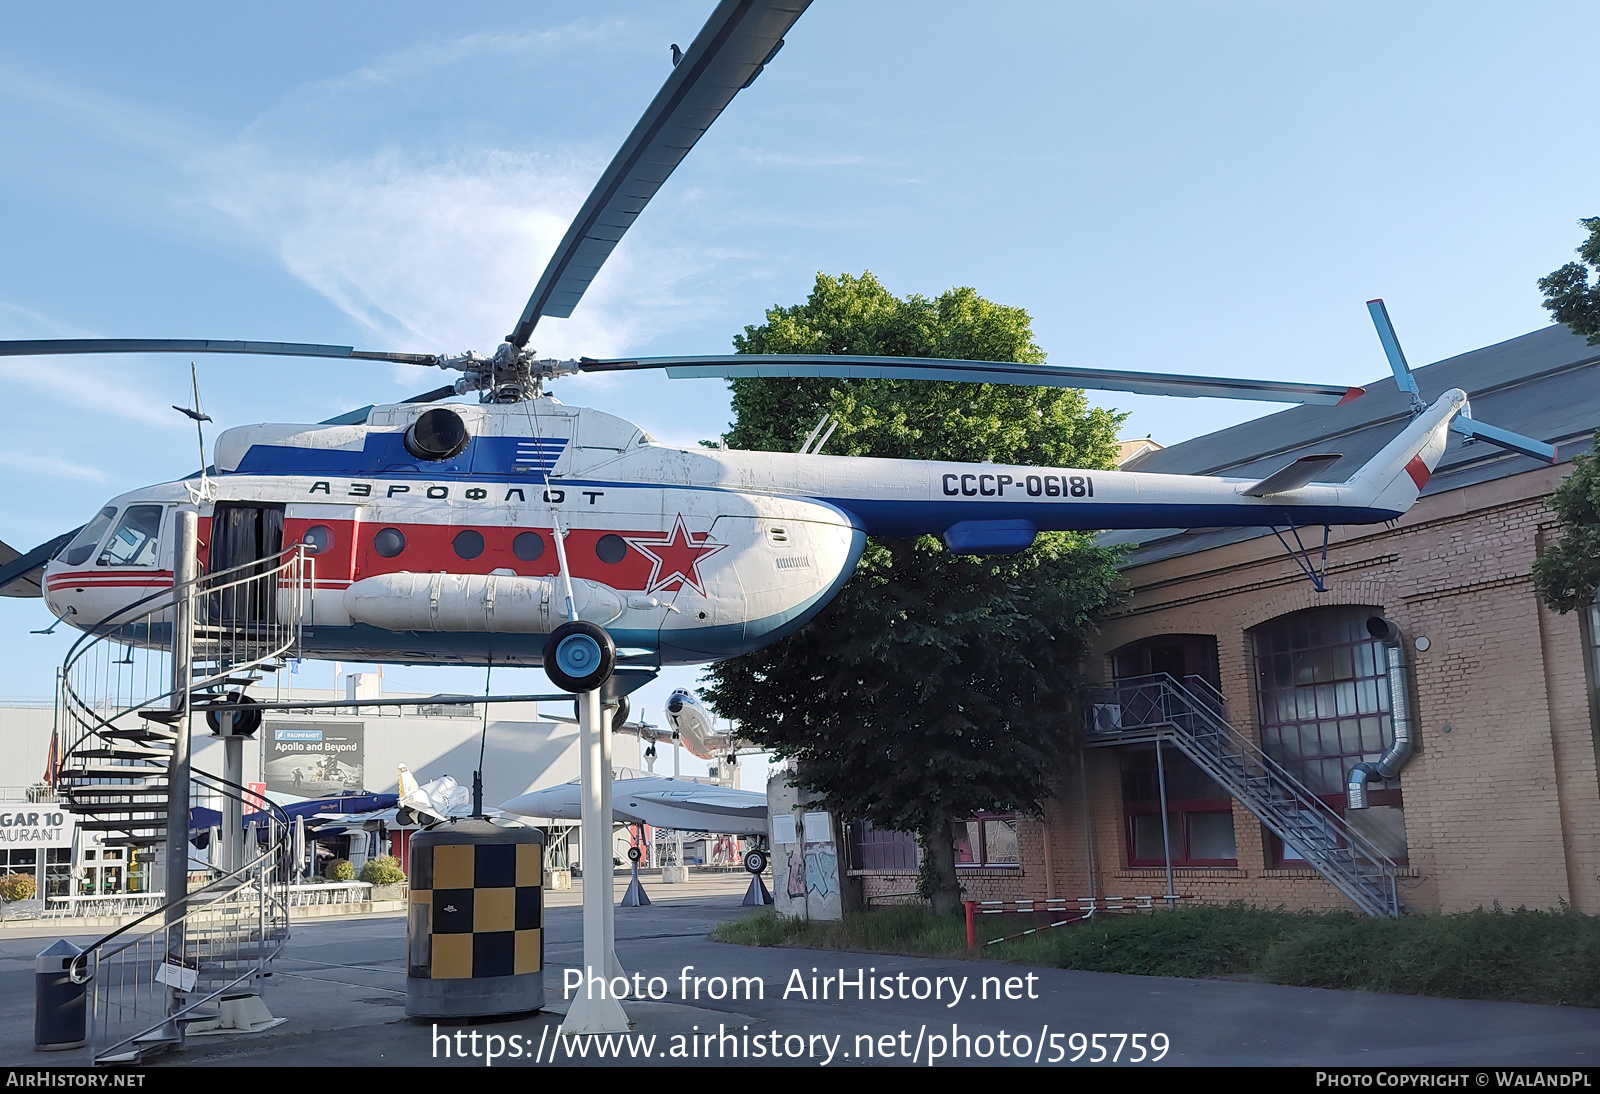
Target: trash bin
{"type": "Point", "coordinates": [59, 1018]}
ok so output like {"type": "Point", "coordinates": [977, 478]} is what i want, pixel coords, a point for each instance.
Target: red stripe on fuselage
{"type": "Point", "coordinates": [103, 577]}
{"type": "Point", "coordinates": [430, 548]}
{"type": "Point", "coordinates": [1418, 471]}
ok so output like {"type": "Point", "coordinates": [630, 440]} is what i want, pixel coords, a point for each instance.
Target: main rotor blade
{"type": "Point", "coordinates": [979, 372]}
{"type": "Point", "coordinates": [725, 57]}
{"type": "Point", "coordinates": [23, 574]}
{"type": "Point", "coordinates": [47, 346]}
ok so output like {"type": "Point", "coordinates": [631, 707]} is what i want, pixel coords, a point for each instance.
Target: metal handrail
{"type": "Point", "coordinates": [262, 606]}
{"type": "Point", "coordinates": [293, 564]}
{"type": "Point", "coordinates": [1208, 713]}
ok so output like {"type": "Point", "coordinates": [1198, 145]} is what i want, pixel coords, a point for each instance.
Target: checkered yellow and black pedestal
{"type": "Point", "coordinates": [475, 935]}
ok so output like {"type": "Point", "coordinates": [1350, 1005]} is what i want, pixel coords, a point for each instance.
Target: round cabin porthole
{"type": "Point", "coordinates": [389, 542]}
{"type": "Point", "coordinates": [611, 548]}
{"type": "Point", "coordinates": [528, 546]}
{"type": "Point", "coordinates": [317, 539]}
{"type": "Point", "coordinates": [468, 543]}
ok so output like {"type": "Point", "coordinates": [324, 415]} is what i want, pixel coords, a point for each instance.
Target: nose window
{"type": "Point", "coordinates": [82, 545]}
{"type": "Point", "coordinates": [134, 542]}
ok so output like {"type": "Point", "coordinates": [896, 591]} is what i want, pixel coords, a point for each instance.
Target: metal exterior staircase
{"type": "Point", "coordinates": [124, 720]}
{"type": "Point", "coordinates": [1188, 715]}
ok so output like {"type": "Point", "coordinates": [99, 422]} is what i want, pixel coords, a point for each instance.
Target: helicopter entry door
{"type": "Point", "coordinates": [243, 534]}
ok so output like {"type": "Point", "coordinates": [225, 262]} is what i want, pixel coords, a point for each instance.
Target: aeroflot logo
{"type": "Point", "coordinates": [1048, 486]}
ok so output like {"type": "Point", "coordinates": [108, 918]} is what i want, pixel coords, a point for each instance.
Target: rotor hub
{"type": "Point", "coordinates": [510, 375]}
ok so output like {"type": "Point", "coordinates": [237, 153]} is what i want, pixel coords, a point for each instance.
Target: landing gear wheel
{"type": "Point", "coordinates": [755, 860]}
{"type": "Point", "coordinates": [634, 855]}
{"type": "Point", "coordinates": [579, 657]}
{"type": "Point", "coordinates": [245, 721]}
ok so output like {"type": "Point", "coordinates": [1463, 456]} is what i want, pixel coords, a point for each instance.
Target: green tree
{"type": "Point", "coordinates": [934, 685]}
{"type": "Point", "coordinates": [1567, 292]}
{"type": "Point", "coordinates": [1568, 574]}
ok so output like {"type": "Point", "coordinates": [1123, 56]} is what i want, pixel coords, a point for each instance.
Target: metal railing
{"type": "Point", "coordinates": [122, 707]}
{"type": "Point", "coordinates": [337, 892]}
{"type": "Point", "coordinates": [1189, 715]}
{"type": "Point", "coordinates": [154, 974]}
{"type": "Point", "coordinates": [101, 904]}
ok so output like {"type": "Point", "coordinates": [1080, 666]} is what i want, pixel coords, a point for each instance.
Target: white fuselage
{"type": "Point", "coordinates": [683, 555]}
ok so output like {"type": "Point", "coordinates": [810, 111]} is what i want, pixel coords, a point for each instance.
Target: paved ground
{"type": "Point", "coordinates": [341, 984]}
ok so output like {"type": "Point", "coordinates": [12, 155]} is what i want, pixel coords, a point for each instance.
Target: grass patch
{"type": "Point", "coordinates": [1521, 956]}
{"type": "Point", "coordinates": [905, 930]}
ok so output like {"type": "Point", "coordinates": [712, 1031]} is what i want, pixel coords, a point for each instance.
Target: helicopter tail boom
{"type": "Point", "coordinates": [1394, 478]}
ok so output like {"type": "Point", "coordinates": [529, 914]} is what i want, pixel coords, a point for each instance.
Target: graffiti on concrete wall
{"type": "Point", "coordinates": [822, 869]}
{"type": "Point", "coordinates": [795, 872]}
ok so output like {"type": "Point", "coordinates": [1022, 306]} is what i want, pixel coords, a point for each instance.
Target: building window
{"type": "Point", "coordinates": [1323, 693]}
{"type": "Point", "coordinates": [873, 848]}
{"type": "Point", "coordinates": [988, 839]}
{"type": "Point", "coordinates": [1199, 812]}
{"type": "Point", "coordinates": [1180, 656]}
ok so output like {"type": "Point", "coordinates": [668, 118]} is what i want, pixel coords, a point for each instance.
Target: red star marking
{"type": "Point", "coordinates": [675, 559]}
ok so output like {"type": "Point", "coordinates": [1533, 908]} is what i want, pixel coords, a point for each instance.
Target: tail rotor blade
{"type": "Point", "coordinates": [1465, 426]}
{"type": "Point", "coordinates": [1515, 442]}
{"type": "Point", "coordinates": [1391, 349]}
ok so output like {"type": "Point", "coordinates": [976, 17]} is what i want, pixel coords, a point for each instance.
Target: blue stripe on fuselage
{"type": "Point", "coordinates": [912, 518]}
{"type": "Point", "coordinates": [385, 454]}
{"type": "Point", "coordinates": [875, 516]}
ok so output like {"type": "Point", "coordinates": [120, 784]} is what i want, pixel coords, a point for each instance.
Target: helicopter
{"type": "Point", "coordinates": [534, 533]}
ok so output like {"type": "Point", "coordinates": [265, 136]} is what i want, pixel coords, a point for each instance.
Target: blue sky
{"type": "Point", "coordinates": [1196, 187]}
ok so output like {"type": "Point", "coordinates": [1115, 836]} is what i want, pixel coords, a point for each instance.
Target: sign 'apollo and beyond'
{"type": "Point", "coordinates": [314, 759]}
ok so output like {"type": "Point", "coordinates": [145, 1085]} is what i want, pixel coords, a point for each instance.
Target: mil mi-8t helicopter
{"type": "Point", "coordinates": [525, 531]}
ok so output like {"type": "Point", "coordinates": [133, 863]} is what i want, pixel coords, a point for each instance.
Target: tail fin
{"type": "Point", "coordinates": [1394, 478]}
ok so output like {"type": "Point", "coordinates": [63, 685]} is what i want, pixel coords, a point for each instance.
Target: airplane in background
{"type": "Point", "coordinates": [684, 804]}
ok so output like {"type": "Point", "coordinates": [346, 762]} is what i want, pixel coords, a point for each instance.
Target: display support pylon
{"type": "Point", "coordinates": [594, 1008]}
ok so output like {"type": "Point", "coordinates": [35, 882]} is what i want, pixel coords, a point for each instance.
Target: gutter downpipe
{"type": "Point", "coordinates": [1390, 763]}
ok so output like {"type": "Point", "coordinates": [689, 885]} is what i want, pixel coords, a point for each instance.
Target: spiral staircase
{"type": "Point", "coordinates": [128, 690]}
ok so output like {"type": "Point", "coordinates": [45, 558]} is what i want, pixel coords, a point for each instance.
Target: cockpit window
{"type": "Point", "coordinates": [83, 544]}
{"type": "Point", "coordinates": [134, 541]}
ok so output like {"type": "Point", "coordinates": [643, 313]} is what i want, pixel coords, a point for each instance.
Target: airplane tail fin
{"type": "Point", "coordinates": [1394, 477]}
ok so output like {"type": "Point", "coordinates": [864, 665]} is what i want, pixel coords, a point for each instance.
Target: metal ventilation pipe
{"type": "Point", "coordinates": [1390, 763]}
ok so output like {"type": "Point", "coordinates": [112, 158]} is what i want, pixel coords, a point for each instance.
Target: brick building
{"type": "Point", "coordinates": [1242, 698]}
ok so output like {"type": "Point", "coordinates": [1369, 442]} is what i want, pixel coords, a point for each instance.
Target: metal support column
{"type": "Point", "coordinates": [1166, 835]}
{"type": "Point", "coordinates": [594, 1008]}
{"type": "Point", "coordinates": [186, 568]}
{"type": "Point", "coordinates": [232, 808]}
{"type": "Point", "coordinates": [613, 966]}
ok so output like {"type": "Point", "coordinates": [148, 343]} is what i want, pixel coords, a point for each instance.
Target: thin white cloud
{"type": "Point", "coordinates": [427, 250]}
{"type": "Point", "coordinates": [442, 256]}
{"type": "Point", "coordinates": [788, 159]}
{"type": "Point", "coordinates": [75, 383]}
{"type": "Point", "coordinates": [17, 322]}
{"type": "Point", "coordinates": [49, 465]}
{"type": "Point", "coordinates": [414, 61]}
{"type": "Point", "coordinates": [114, 121]}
